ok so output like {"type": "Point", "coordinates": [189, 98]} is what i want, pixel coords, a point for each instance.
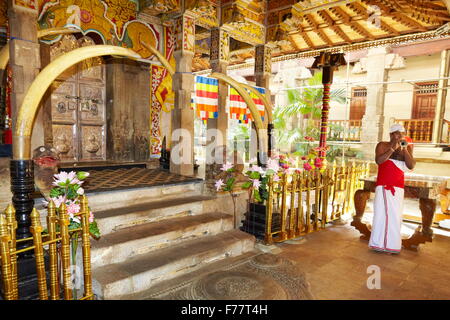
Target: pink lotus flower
{"type": "Point", "coordinates": [58, 201]}
{"type": "Point", "coordinates": [64, 178]}
{"type": "Point", "coordinates": [227, 166]}
{"type": "Point", "coordinates": [73, 208]}
{"type": "Point", "coordinates": [307, 166]}
{"type": "Point", "coordinates": [80, 191]}
{"type": "Point", "coordinates": [273, 164]}
{"type": "Point", "coordinates": [91, 217]}
{"type": "Point", "coordinates": [219, 183]}
{"type": "Point", "coordinates": [256, 183]}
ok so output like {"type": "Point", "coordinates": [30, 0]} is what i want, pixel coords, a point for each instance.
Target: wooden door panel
{"type": "Point", "coordinates": [63, 101]}
{"type": "Point", "coordinates": [92, 105]}
{"type": "Point", "coordinates": [358, 103]}
{"type": "Point", "coordinates": [93, 147]}
{"type": "Point", "coordinates": [65, 140]}
{"type": "Point", "coordinates": [91, 69]}
{"type": "Point", "coordinates": [424, 102]}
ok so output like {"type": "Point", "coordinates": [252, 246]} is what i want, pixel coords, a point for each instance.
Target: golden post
{"type": "Point", "coordinates": [308, 228]}
{"type": "Point", "coordinates": [86, 249]}
{"type": "Point", "coordinates": [292, 219]}
{"type": "Point", "coordinates": [325, 186]}
{"type": "Point", "coordinates": [36, 231]}
{"type": "Point", "coordinates": [300, 225]}
{"type": "Point", "coordinates": [53, 254]}
{"type": "Point", "coordinates": [317, 189]}
{"type": "Point", "coordinates": [6, 259]}
{"type": "Point", "coordinates": [65, 250]}
{"type": "Point", "coordinates": [284, 188]}
{"type": "Point", "coordinates": [269, 211]}
{"type": "Point", "coordinates": [12, 226]}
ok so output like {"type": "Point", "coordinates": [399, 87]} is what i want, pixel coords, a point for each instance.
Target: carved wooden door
{"type": "Point", "coordinates": [424, 102]}
{"type": "Point", "coordinates": [358, 103]}
{"type": "Point", "coordinates": [78, 106]}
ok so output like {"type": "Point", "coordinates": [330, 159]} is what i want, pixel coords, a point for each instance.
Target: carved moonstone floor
{"type": "Point", "coordinates": [263, 276]}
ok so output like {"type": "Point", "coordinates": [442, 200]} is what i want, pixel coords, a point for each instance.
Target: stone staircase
{"type": "Point", "coordinates": [151, 235]}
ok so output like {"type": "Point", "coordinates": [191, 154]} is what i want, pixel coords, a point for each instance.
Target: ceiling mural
{"type": "Point", "coordinates": [115, 21]}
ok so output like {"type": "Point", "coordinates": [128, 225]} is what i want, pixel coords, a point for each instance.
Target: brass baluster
{"type": "Point", "coordinates": [65, 250]}
{"type": "Point", "coordinates": [86, 249]}
{"type": "Point", "coordinates": [284, 187]}
{"type": "Point", "coordinates": [325, 190]}
{"type": "Point", "coordinates": [6, 259]}
{"type": "Point", "coordinates": [53, 254]}
{"type": "Point", "coordinates": [269, 212]}
{"type": "Point", "coordinates": [308, 203]}
{"type": "Point", "coordinates": [351, 187]}
{"type": "Point", "coordinates": [12, 226]}
{"type": "Point", "coordinates": [316, 198]}
{"type": "Point", "coordinates": [293, 211]}
{"type": "Point", "coordinates": [334, 172]}
{"type": "Point", "coordinates": [300, 215]}
{"type": "Point", "coordinates": [36, 231]}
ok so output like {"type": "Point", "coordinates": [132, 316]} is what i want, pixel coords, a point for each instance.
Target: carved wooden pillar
{"type": "Point", "coordinates": [182, 146]}
{"type": "Point", "coordinates": [25, 63]}
{"type": "Point", "coordinates": [263, 71]}
{"type": "Point", "coordinates": [219, 58]}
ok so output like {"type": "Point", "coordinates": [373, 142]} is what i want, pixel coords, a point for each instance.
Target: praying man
{"type": "Point", "coordinates": [393, 158]}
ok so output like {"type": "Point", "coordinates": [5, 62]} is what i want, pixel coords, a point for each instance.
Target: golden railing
{"type": "Point", "coordinates": [305, 202]}
{"type": "Point", "coordinates": [419, 130]}
{"type": "Point", "coordinates": [56, 219]}
{"type": "Point", "coordinates": [343, 130]}
{"type": "Point", "coordinates": [446, 132]}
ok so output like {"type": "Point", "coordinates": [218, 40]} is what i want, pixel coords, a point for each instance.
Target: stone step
{"type": "Point", "coordinates": [99, 201]}
{"type": "Point", "coordinates": [165, 287]}
{"type": "Point", "coordinates": [118, 218]}
{"type": "Point", "coordinates": [121, 245]}
{"type": "Point", "coordinates": [141, 272]}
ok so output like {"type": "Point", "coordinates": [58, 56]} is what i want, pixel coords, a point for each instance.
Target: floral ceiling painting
{"type": "Point", "coordinates": [115, 21]}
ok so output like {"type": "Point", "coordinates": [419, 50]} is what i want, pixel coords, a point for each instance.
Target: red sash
{"type": "Point", "coordinates": [390, 176]}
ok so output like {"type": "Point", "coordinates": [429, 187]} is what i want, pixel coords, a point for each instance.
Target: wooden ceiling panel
{"type": "Point", "coordinates": [295, 26]}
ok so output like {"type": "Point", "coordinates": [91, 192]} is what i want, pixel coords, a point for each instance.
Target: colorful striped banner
{"type": "Point", "coordinates": [238, 108]}
{"type": "Point", "coordinates": [206, 97]}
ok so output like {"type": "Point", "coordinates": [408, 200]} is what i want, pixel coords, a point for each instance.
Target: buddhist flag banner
{"type": "Point", "coordinates": [206, 97]}
{"type": "Point", "coordinates": [238, 108]}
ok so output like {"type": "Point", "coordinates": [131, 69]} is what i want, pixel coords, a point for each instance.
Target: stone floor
{"type": "Point", "coordinates": [335, 262]}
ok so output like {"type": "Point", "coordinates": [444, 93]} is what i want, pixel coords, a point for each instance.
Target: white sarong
{"type": "Point", "coordinates": [387, 218]}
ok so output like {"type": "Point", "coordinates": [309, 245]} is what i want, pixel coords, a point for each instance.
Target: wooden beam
{"type": "Point", "coordinates": [327, 18]}
{"type": "Point", "coordinates": [387, 28]}
{"type": "Point", "coordinates": [310, 19]}
{"type": "Point", "coordinates": [357, 8]}
{"type": "Point", "coordinates": [307, 40]}
{"type": "Point", "coordinates": [407, 21]}
{"type": "Point", "coordinates": [361, 30]}
{"type": "Point", "coordinates": [352, 24]}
